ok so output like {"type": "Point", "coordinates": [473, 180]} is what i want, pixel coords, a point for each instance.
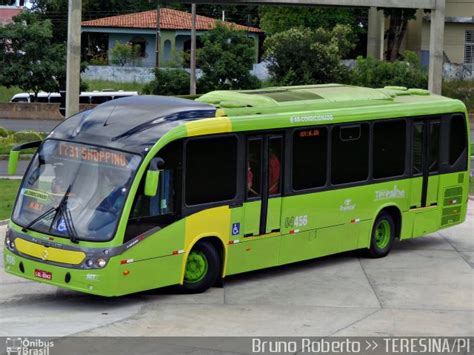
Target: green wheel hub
{"type": "Point", "coordinates": [382, 234]}
{"type": "Point", "coordinates": [196, 267]}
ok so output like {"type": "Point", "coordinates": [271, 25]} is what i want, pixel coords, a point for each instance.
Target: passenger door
{"type": "Point", "coordinates": [425, 162]}
{"type": "Point", "coordinates": [258, 244]}
{"type": "Point", "coordinates": [262, 206]}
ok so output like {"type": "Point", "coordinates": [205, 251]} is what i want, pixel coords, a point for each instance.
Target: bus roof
{"type": "Point", "coordinates": [132, 123]}
{"type": "Point", "coordinates": [309, 98]}
{"type": "Point", "coordinates": [138, 122]}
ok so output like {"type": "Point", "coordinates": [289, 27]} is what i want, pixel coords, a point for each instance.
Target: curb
{"type": "Point", "coordinates": [7, 177]}
{"type": "Point", "coordinates": [3, 222]}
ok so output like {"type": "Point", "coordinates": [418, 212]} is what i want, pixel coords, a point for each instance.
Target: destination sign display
{"type": "Point", "coordinates": [309, 133]}
{"type": "Point", "coordinates": [74, 151]}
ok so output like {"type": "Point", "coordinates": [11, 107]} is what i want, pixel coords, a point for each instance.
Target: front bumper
{"type": "Point", "coordinates": [94, 281]}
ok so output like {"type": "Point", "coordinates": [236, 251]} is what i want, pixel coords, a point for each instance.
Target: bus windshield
{"type": "Point", "coordinates": [75, 191]}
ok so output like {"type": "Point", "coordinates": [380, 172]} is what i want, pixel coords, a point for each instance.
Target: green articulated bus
{"type": "Point", "coordinates": [148, 191]}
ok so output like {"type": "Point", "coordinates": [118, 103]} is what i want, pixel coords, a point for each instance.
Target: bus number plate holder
{"type": "Point", "coordinates": [43, 274]}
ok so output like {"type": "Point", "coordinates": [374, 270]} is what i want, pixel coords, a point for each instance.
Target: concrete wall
{"type": "Point", "coordinates": [454, 40]}
{"type": "Point", "coordinates": [119, 74]}
{"type": "Point", "coordinates": [145, 74]}
{"type": "Point", "coordinates": [34, 111]}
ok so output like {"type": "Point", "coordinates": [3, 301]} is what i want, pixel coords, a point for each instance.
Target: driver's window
{"type": "Point", "coordinates": [161, 209]}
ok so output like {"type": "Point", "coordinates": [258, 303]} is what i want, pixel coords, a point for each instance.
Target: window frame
{"type": "Point", "coordinates": [368, 178]}
{"type": "Point", "coordinates": [237, 199]}
{"type": "Point", "coordinates": [290, 161]}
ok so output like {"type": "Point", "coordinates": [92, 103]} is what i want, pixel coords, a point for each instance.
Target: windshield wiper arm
{"type": "Point", "coordinates": [61, 210]}
{"type": "Point", "coordinates": [66, 214]}
{"type": "Point", "coordinates": [39, 218]}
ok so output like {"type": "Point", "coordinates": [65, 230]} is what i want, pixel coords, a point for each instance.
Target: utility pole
{"type": "Point", "coordinates": [192, 89]}
{"type": "Point", "coordinates": [158, 39]}
{"type": "Point", "coordinates": [73, 64]}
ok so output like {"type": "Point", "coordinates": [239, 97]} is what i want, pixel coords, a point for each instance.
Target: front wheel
{"type": "Point", "coordinates": [383, 235]}
{"type": "Point", "coordinates": [202, 268]}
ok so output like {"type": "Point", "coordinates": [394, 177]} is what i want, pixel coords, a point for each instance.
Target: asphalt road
{"type": "Point", "coordinates": [424, 287]}
{"type": "Point", "coordinates": [35, 125]}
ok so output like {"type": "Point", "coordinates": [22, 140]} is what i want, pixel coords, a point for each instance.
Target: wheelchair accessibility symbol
{"type": "Point", "coordinates": [236, 229]}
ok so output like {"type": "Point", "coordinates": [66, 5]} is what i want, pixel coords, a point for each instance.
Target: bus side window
{"type": "Point", "coordinates": [211, 170]}
{"type": "Point", "coordinates": [163, 208]}
{"type": "Point", "coordinates": [389, 148]}
{"type": "Point", "coordinates": [434, 138]}
{"type": "Point", "coordinates": [309, 158]}
{"type": "Point", "coordinates": [417, 148]}
{"type": "Point", "coordinates": [350, 153]}
{"type": "Point", "coordinates": [254, 168]}
{"type": "Point", "coordinates": [457, 143]}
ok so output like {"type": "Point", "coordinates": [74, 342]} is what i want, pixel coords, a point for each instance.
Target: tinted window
{"type": "Point", "coordinates": [350, 153]}
{"type": "Point", "coordinates": [389, 148]}
{"type": "Point", "coordinates": [274, 166]}
{"type": "Point", "coordinates": [418, 148]}
{"type": "Point", "coordinates": [211, 169]}
{"type": "Point", "coordinates": [100, 99]}
{"type": "Point", "coordinates": [457, 138]}
{"type": "Point", "coordinates": [254, 167]}
{"type": "Point", "coordinates": [309, 158]}
{"type": "Point", "coordinates": [434, 146]}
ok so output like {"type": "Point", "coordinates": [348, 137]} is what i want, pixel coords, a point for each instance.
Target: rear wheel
{"type": "Point", "coordinates": [383, 235]}
{"type": "Point", "coordinates": [202, 268]}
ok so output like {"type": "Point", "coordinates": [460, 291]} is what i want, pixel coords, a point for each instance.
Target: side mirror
{"type": "Point", "coordinates": [15, 155]}
{"type": "Point", "coordinates": [152, 177]}
{"type": "Point", "coordinates": [13, 161]}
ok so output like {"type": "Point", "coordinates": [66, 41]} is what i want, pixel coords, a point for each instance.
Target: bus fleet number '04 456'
{"type": "Point", "coordinates": [296, 221]}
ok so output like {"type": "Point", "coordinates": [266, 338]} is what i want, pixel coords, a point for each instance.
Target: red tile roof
{"type": "Point", "coordinates": [7, 14]}
{"type": "Point", "coordinates": [169, 20]}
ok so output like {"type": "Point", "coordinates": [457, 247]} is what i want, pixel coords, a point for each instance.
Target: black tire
{"type": "Point", "coordinates": [205, 250]}
{"type": "Point", "coordinates": [380, 247]}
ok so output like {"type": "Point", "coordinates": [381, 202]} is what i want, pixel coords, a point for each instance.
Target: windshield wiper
{"type": "Point", "coordinates": [39, 218]}
{"type": "Point", "coordinates": [64, 212]}
{"type": "Point", "coordinates": [60, 210]}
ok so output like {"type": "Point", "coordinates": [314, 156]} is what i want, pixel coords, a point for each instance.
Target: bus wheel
{"type": "Point", "coordinates": [383, 235]}
{"type": "Point", "coordinates": [202, 268]}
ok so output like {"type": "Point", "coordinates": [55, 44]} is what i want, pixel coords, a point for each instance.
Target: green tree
{"type": "Point", "coordinates": [305, 56]}
{"type": "Point", "coordinates": [407, 71]}
{"type": "Point", "coordinates": [226, 59]}
{"type": "Point", "coordinates": [28, 58]}
{"type": "Point", "coordinates": [397, 29]}
{"type": "Point", "coordinates": [125, 53]}
{"type": "Point", "coordinates": [168, 82]}
{"type": "Point", "coordinates": [275, 19]}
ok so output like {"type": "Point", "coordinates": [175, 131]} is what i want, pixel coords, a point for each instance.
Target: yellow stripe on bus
{"type": "Point", "coordinates": [209, 126]}
{"type": "Point", "coordinates": [214, 222]}
{"type": "Point", "coordinates": [49, 253]}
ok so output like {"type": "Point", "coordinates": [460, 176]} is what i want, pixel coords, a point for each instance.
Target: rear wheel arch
{"type": "Point", "coordinates": [396, 214]}
{"type": "Point", "coordinates": [218, 245]}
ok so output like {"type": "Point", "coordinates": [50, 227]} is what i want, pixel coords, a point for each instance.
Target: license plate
{"type": "Point", "coordinates": [43, 274]}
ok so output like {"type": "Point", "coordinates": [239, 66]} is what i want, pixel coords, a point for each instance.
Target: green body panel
{"type": "Point", "coordinates": [274, 214]}
{"type": "Point", "coordinates": [253, 253]}
{"type": "Point", "coordinates": [310, 224]}
{"type": "Point", "coordinates": [251, 218]}
{"type": "Point", "coordinates": [432, 193]}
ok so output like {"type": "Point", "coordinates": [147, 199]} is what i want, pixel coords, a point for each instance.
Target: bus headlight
{"type": "Point", "coordinates": [101, 262]}
{"type": "Point", "coordinates": [89, 262]}
{"type": "Point", "coordinates": [9, 243]}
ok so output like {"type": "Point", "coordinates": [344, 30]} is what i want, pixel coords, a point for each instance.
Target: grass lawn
{"type": "Point", "coordinates": [8, 190]}
{"type": "Point", "coordinates": [102, 84]}
{"type": "Point", "coordinates": [7, 93]}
